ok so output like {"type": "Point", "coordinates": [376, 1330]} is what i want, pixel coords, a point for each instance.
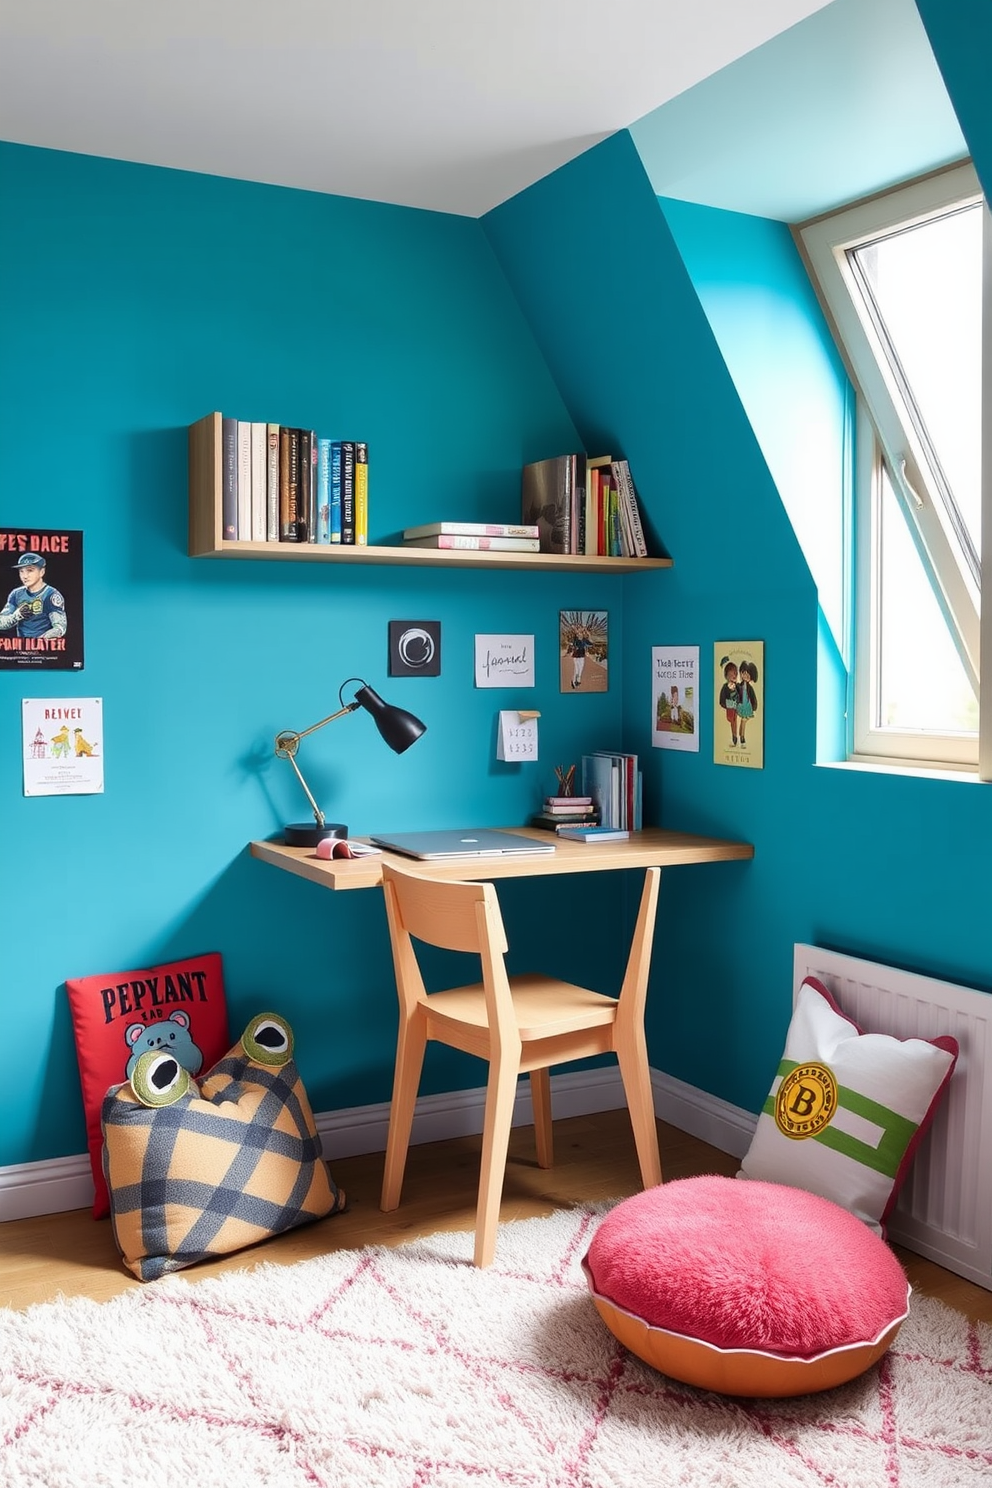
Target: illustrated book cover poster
{"type": "Point", "coordinates": [584, 651]}
{"type": "Point", "coordinates": [41, 622]}
{"type": "Point", "coordinates": [739, 703]}
{"type": "Point", "coordinates": [675, 697]}
{"type": "Point", "coordinates": [62, 746]}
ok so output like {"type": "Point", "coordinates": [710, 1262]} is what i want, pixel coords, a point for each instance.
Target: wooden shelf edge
{"type": "Point", "coordinates": [425, 557]}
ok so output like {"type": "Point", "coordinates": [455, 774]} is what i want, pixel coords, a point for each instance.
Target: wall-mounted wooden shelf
{"type": "Point", "coordinates": [206, 528]}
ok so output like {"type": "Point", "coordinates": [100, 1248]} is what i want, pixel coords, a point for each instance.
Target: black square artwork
{"type": "Point", "coordinates": [415, 648]}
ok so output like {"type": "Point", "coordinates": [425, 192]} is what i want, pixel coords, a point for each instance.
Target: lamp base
{"type": "Point", "coordinates": [308, 834]}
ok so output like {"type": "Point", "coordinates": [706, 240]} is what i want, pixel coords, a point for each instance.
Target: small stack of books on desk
{"type": "Point", "coordinates": [502, 537]}
{"type": "Point", "coordinates": [566, 811]}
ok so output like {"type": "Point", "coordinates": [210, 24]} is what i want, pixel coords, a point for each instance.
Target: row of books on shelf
{"type": "Point", "coordinates": [584, 504]}
{"type": "Point", "coordinates": [282, 484]}
{"type": "Point", "coordinates": [498, 537]}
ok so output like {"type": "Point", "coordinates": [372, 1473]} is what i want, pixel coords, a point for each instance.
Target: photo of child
{"type": "Point", "coordinates": [583, 650]}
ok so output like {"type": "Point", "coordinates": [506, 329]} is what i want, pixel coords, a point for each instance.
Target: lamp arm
{"type": "Point", "coordinates": [288, 742]}
{"type": "Point", "coordinates": [348, 708]}
{"type": "Point", "coordinates": [318, 815]}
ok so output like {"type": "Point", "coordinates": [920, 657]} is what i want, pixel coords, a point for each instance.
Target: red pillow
{"type": "Point", "coordinates": [179, 1006]}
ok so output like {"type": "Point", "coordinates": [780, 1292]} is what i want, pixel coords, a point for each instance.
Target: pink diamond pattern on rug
{"type": "Point", "coordinates": [409, 1368]}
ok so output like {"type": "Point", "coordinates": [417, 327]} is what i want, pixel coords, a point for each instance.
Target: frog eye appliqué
{"type": "Point", "coordinates": [268, 1039]}
{"type": "Point", "coordinates": [158, 1079]}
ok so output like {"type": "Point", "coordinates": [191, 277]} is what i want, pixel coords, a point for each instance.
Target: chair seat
{"type": "Point", "coordinates": [543, 1006]}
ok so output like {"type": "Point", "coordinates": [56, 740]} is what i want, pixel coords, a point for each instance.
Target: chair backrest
{"type": "Point", "coordinates": [633, 992]}
{"type": "Point", "coordinates": [456, 916]}
{"type": "Point", "coordinates": [444, 914]}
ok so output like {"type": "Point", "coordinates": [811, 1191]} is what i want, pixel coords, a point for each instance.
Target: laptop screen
{"type": "Point", "coordinates": [470, 842]}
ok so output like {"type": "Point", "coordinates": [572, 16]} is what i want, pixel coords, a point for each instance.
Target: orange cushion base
{"type": "Point", "coordinates": [739, 1371]}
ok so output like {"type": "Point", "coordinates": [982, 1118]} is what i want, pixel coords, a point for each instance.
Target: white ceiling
{"type": "Point", "coordinates": [453, 105]}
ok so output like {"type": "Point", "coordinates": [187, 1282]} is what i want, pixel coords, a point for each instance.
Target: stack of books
{"type": "Point", "coordinates": [282, 484]}
{"type": "Point", "coordinates": [559, 812]}
{"type": "Point", "coordinates": [613, 781]}
{"type": "Point", "coordinates": [500, 537]}
{"type": "Point", "coordinates": [584, 504]}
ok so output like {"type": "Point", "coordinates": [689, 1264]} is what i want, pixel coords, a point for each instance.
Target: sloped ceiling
{"type": "Point", "coordinates": [848, 102]}
{"type": "Point", "coordinates": [453, 105]}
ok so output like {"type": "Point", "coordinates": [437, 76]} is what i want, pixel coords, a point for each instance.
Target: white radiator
{"type": "Point", "coordinates": [944, 1210]}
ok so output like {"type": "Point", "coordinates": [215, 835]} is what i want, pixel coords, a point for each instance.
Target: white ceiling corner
{"type": "Point", "coordinates": [450, 105]}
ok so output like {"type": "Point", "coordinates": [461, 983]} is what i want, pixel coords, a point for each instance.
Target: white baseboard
{"type": "Point", "coordinates": [459, 1113]}
{"type": "Point", "coordinates": [726, 1127]}
{"type": "Point", "coordinates": [50, 1187]}
{"type": "Point", "coordinates": [62, 1183]}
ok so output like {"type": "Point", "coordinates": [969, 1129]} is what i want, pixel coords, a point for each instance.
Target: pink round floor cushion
{"type": "Point", "coordinates": [746, 1287]}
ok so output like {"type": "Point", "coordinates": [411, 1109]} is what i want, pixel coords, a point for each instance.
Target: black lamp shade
{"type": "Point", "coordinates": [399, 728]}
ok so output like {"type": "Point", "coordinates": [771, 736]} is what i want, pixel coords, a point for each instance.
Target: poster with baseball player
{"type": "Point", "coordinates": [41, 605]}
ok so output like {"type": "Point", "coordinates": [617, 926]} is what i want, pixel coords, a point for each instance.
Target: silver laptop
{"type": "Point", "coordinates": [471, 842]}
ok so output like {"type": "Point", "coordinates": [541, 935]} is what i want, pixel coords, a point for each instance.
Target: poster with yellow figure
{"type": "Point", "coordinates": [62, 746]}
{"type": "Point", "coordinates": [739, 703]}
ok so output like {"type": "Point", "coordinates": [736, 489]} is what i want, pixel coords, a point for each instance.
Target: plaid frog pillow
{"type": "Point", "coordinates": [199, 1170]}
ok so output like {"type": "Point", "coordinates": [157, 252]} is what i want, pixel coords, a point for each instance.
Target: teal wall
{"type": "Point", "coordinates": [891, 867]}
{"type": "Point", "coordinates": [960, 33]}
{"type": "Point", "coordinates": [134, 300]}
{"type": "Point", "coordinates": [774, 338]}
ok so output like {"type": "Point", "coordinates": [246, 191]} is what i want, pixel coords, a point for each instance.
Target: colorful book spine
{"type": "Point", "coordinates": [244, 481]}
{"type": "Point", "coordinates": [259, 481]}
{"type": "Point", "coordinates": [347, 492]}
{"type": "Point", "coordinates": [229, 479]}
{"type": "Point", "coordinates": [323, 492]}
{"type": "Point", "coordinates": [628, 498]}
{"type": "Point", "coordinates": [312, 506]}
{"type": "Point", "coordinates": [289, 483]}
{"type": "Point", "coordinates": [478, 544]}
{"type": "Point", "coordinates": [335, 491]}
{"type": "Point", "coordinates": [549, 823]}
{"type": "Point", "coordinates": [361, 492]}
{"type": "Point", "coordinates": [272, 483]}
{"type": "Point", "coordinates": [306, 529]}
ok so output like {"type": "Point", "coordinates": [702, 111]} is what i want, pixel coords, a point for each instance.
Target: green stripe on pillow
{"type": "Point", "coordinates": [897, 1131]}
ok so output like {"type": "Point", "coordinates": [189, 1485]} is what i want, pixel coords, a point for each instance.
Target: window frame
{"type": "Point", "coordinates": [886, 434]}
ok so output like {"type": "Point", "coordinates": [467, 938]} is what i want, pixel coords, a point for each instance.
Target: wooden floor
{"type": "Point", "coordinates": [72, 1255]}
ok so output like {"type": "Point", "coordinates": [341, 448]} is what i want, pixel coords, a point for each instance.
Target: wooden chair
{"type": "Point", "coordinates": [517, 1023]}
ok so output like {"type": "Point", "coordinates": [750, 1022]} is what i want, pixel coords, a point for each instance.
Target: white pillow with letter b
{"type": "Point", "coordinates": [847, 1109]}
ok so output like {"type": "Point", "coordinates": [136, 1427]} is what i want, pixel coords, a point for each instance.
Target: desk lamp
{"type": "Point", "coordinates": [398, 727]}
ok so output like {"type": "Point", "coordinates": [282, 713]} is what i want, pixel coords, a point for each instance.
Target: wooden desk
{"type": "Point", "coordinates": [655, 846]}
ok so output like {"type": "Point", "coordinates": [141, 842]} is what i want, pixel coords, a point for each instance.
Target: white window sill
{"type": "Point", "coordinates": [914, 769]}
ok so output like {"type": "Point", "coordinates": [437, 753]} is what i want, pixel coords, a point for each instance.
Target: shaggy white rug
{"type": "Point", "coordinates": [409, 1368]}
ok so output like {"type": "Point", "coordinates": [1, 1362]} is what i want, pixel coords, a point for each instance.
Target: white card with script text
{"type": "Point", "coordinates": [504, 661]}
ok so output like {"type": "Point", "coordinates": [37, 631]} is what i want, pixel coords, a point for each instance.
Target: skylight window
{"type": "Point", "coordinates": [901, 276]}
